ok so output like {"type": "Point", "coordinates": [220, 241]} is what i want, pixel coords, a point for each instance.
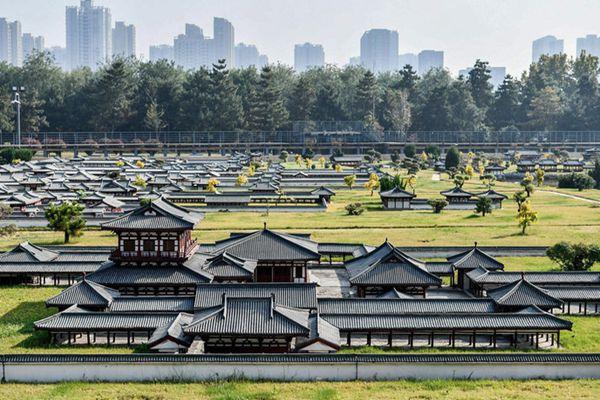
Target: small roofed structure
{"type": "Point", "coordinates": [86, 294]}
{"type": "Point", "coordinates": [468, 260]}
{"type": "Point", "coordinates": [495, 197]}
{"type": "Point", "coordinates": [226, 267]}
{"type": "Point", "coordinates": [158, 231]}
{"type": "Point", "coordinates": [387, 268]}
{"type": "Point", "coordinates": [258, 325]}
{"type": "Point", "coordinates": [572, 166]}
{"type": "Point", "coordinates": [396, 199]}
{"type": "Point", "coordinates": [521, 294]}
{"type": "Point", "coordinates": [456, 195]}
{"type": "Point", "coordinates": [171, 338]}
{"type": "Point", "coordinates": [324, 193]}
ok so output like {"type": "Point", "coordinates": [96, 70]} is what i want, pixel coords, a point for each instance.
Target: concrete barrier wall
{"type": "Point", "coordinates": [290, 371]}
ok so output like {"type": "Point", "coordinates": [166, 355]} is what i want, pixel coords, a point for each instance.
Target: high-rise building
{"type": "Point", "coordinates": [123, 40]}
{"type": "Point", "coordinates": [263, 61]}
{"type": "Point", "coordinates": [5, 54]}
{"type": "Point", "coordinates": [497, 75]}
{"type": "Point", "coordinates": [194, 50]}
{"type": "Point", "coordinates": [354, 61]}
{"type": "Point", "coordinates": [60, 56]}
{"type": "Point", "coordinates": [191, 50]}
{"type": "Point", "coordinates": [307, 56]}
{"type": "Point", "coordinates": [16, 43]}
{"type": "Point", "coordinates": [224, 41]}
{"type": "Point", "coordinates": [31, 43]}
{"type": "Point", "coordinates": [247, 55]}
{"type": "Point", "coordinates": [547, 45]}
{"type": "Point", "coordinates": [89, 35]}
{"type": "Point", "coordinates": [408, 59]}
{"type": "Point", "coordinates": [379, 50]}
{"type": "Point", "coordinates": [590, 44]}
{"type": "Point", "coordinates": [430, 59]}
{"type": "Point", "coordinates": [161, 52]}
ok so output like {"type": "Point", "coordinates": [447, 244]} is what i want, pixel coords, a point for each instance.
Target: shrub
{"type": "Point", "coordinates": [577, 181]}
{"type": "Point", "coordinates": [452, 158]}
{"type": "Point", "coordinates": [574, 257]}
{"type": "Point", "coordinates": [433, 151]}
{"type": "Point", "coordinates": [354, 209]}
{"type": "Point", "coordinates": [437, 205]}
{"type": "Point", "coordinates": [90, 146]}
{"type": "Point", "coordinates": [410, 150]}
{"type": "Point", "coordinates": [595, 174]}
{"type": "Point", "coordinates": [483, 206]}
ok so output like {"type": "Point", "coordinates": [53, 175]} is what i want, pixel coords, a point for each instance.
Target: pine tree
{"type": "Point", "coordinates": [303, 99]}
{"type": "Point", "coordinates": [270, 111]}
{"type": "Point", "coordinates": [366, 97]}
{"type": "Point", "coordinates": [113, 96]}
{"type": "Point", "coordinates": [408, 79]}
{"type": "Point", "coordinates": [195, 103]}
{"type": "Point", "coordinates": [226, 105]}
{"type": "Point", "coordinates": [505, 108]}
{"type": "Point", "coordinates": [395, 110]}
{"type": "Point", "coordinates": [479, 84]}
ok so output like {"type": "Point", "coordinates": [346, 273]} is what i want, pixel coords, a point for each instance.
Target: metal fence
{"type": "Point", "coordinates": [331, 138]}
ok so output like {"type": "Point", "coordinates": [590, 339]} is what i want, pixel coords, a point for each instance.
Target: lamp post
{"type": "Point", "coordinates": [17, 101]}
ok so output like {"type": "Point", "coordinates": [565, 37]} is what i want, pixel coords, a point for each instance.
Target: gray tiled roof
{"type": "Point", "coordinates": [173, 331]}
{"type": "Point", "coordinates": [84, 293]}
{"type": "Point", "coordinates": [152, 304]}
{"type": "Point", "coordinates": [320, 330]}
{"type": "Point", "coordinates": [160, 214]}
{"type": "Point", "coordinates": [483, 276]}
{"type": "Point", "coordinates": [27, 252]}
{"type": "Point", "coordinates": [440, 321]}
{"type": "Point", "coordinates": [493, 195]}
{"type": "Point", "coordinates": [113, 275]}
{"type": "Point", "coordinates": [439, 267]}
{"type": "Point", "coordinates": [75, 318]}
{"type": "Point", "coordinates": [299, 295]}
{"type": "Point", "coordinates": [456, 192]}
{"type": "Point", "coordinates": [269, 245]}
{"type": "Point", "coordinates": [250, 316]}
{"type": "Point", "coordinates": [404, 306]}
{"type": "Point", "coordinates": [224, 265]}
{"type": "Point", "coordinates": [387, 265]}
{"type": "Point", "coordinates": [570, 293]}
{"type": "Point", "coordinates": [523, 293]}
{"type": "Point", "coordinates": [396, 192]}
{"type": "Point", "coordinates": [474, 258]}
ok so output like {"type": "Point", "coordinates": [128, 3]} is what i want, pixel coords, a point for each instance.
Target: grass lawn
{"type": "Point", "coordinates": [451, 390]}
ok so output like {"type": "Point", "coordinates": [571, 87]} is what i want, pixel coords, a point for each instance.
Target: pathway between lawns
{"type": "Point", "coordinates": [572, 196]}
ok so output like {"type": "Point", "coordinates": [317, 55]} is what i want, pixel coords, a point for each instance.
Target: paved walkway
{"type": "Point", "coordinates": [572, 196]}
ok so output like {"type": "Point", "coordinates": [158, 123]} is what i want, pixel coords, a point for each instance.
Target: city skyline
{"type": "Point", "coordinates": [340, 41]}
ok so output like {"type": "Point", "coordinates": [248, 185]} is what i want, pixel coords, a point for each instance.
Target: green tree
{"type": "Point", "coordinates": [113, 95]}
{"type": "Point", "coordinates": [483, 206]}
{"type": "Point", "coordinates": [452, 158]}
{"type": "Point", "coordinates": [154, 118]}
{"type": "Point", "coordinates": [366, 97]}
{"type": "Point", "coordinates": [410, 150]}
{"type": "Point", "coordinates": [394, 110]}
{"type": "Point", "coordinates": [225, 104]}
{"type": "Point", "coordinates": [507, 102]}
{"type": "Point", "coordinates": [303, 100]}
{"type": "Point", "coordinates": [196, 101]}
{"type": "Point", "coordinates": [437, 205]}
{"type": "Point", "coordinates": [595, 174]}
{"type": "Point", "coordinates": [574, 256]}
{"type": "Point", "coordinates": [479, 84]}
{"type": "Point", "coordinates": [270, 113]}
{"type": "Point", "coordinates": [408, 79]}
{"type": "Point", "coordinates": [546, 109]}
{"type": "Point", "coordinates": [66, 217]}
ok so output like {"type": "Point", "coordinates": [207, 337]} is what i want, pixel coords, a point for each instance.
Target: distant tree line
{"type": "Point", "coordinates": [555, 93]}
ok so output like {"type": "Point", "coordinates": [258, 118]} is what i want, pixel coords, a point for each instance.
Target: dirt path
{"type": "Point", "coordinates": [572, 196]}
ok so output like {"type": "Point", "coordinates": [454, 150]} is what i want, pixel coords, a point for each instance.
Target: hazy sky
{"type": "Point", "coordinates": [499, 31]}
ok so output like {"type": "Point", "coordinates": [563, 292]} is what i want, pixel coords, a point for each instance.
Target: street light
{"type": "Point", "coordinates": [17, 101]}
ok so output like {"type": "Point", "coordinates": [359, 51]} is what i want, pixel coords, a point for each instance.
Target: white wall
{"type": "Point", "coordinates": [335, 371]}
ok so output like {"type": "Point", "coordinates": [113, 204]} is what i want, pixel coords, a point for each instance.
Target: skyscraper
{"type": "Point", "coordinates": [408, 59]}
{"type": "Point", "coordinates": [32, 43]}
{"type": "Point", "coordinates": [224, 41]}
{"type": "Point", "coordinates": [60, 56]}
{"type": "Point", "coordinates": [123, 40]}
{"type": "Point", "coordinates": [430, 59]}
{"type": "Point", "coordinates": [89, 35]}
{"type": "Point", "coordinates": [5, 54]}
{"type": "Point", "coordinates": [590, 44]}
{"type": "Point", "coordinates": [548, 45]}
{"type": "Point", "coordinates": [16, 43]}
{"type": "Point", "coordinates": [161, 52]}
{"type": "Point", "coordinates": [263, 61]}
{"type": "Point", "coordinates": [308, 56]}
{"type": "Point", "coordinates": [190, 50]}
{"type": "Point", "coordinates": [379, 50]}
{"type": "Point", "coordinates": [246, 55]}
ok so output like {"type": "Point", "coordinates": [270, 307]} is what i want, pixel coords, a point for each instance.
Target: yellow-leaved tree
{"type": "Point", "coordinates": [526, 216]}
{"type": "Point", "coordinates": [212, 184]}
{"type": "Point", "coordinates": [241, 180]}
{"type": "Point", "coordinates": [373, 183]}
